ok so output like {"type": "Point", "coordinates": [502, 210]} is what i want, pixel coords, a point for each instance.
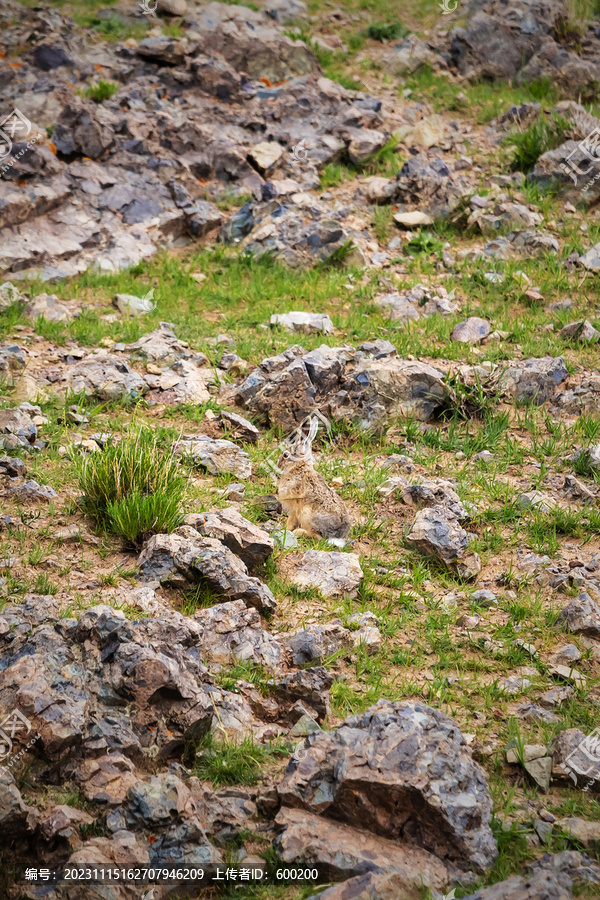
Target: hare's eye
{"type": "Point", "coordinates": [286, 455]}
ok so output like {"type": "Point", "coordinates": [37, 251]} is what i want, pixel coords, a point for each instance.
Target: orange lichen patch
{"type": "Point", "coordinates": [152, 838]}
{"type": "Point", "coordinates": [265, 81]}
{"type": "Point", "coordinates": [15, 65]}
{"type": "Point", "coordinates": [52, 147]}
{"type": "Point", "coordinates": [98, 67]}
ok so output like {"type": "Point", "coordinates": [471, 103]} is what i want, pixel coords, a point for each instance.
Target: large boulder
{"type": "Point", "coordinates": [340, 851]}
{"type": "Point", "coordinates": [402, 771]}
{"type": "Point", "coordinates": [366, 386]}
{"type": "Point", "coordinates": [250, 42]}
{"type": "Point", "coordinates": [185, 558]}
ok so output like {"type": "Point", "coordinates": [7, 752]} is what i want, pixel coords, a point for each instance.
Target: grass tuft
{"type": "Point", "coordinates": [133, 488]}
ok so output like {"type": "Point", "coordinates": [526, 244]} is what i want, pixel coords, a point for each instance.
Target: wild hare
{"type": "Point", "coordinates": [311, 504]}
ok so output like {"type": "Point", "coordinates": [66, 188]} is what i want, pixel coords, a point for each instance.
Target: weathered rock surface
{"type": "Point", "coordinates": [246, 540]}
{"type": "Point", "coordinates": [341, 852]}
{"type": "Point", "coordinates": [471, 331]}
{"type": "Point", "coordinates": [303, 322]}
{"type": "Point", "coordinates": [361, 386]}
{"type": "Point", "coordinates": [214, 455]}
{"type": "Point", "coordinates": [333, 574]}
{"type": "Point", "coordinates": [437, 532]}
{"type": "Point", "coordinates": [534, 380]}
{"type": "Point", "coordinates": [581, 615]}
{"type": "Point", "coordinates": [185, 558]}
{"type": "Point", "coordinates": [400, 770]}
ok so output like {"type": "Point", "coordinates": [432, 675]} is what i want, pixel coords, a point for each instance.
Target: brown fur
{"type": "Point", "coordinates": [310, 502]}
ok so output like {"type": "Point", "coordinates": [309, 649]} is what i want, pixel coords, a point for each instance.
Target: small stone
{"type": "Point", "coordinates": [471, 331]}
{"type": "Point", "coordinates": [414, 219]}
{"type": "Point", "coordinates": [540, 771]}
{"type": "Point", "coordinates": [580, 830]}
{"type": "Point", "coordinates": [304, 322]}
{"type": "Point", "coordinates": [530, 752]}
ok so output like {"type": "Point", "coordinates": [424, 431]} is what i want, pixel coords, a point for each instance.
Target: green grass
{"type": "Point", "coordinates": [225, 762]}
{"type": "Point", "coordinates": [101, 91]}
{"type": "Point", "coordinates": [390, 31]}
{"type": "Point", "coordinates": [134, 487]}
{"type": "Point", "coordinates": [539, 137]}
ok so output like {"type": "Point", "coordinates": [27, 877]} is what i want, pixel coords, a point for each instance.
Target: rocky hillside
{"type": "Point", "coordinates": [222, 225]}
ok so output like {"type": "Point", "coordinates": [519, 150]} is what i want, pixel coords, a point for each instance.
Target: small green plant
{"type": "Point", "coordinates": [101, 91]}
{"type": "Point", "coordinates": [536, 139]}
{"type": "Point", "coordinates": [424, 243]}
{"type": "Point", "coordinates": [133, 488]}
{"type": "Point", "coordinates": [227, 762]}
{"type": "Point", "coordinates": [383, 32]}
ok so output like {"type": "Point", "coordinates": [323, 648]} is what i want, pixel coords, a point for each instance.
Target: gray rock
{"type": "Point", "coordinates": [163, 347]}
{"type": "Point", "coordinates": [250, 44]}
{"type": "Point", "coordinates": [304, 322]}
{"type": "Point", "coordinates": [185, 558]}
{"type": "Point", "coordinates": [530, 711]}
{"type": "Point", "coordinates": [437, 532]}
{"type": "Point", "coordinates": [429, 493]}
{"type": "Point", "coordinates": [549, 885]}
{"type": "Point", "coordinates": [472, 331]}
{"type": "Point", "coordinates": [241, 428]}
{"type": "Point", "coordinates": [9, 295]}
{"type": "Point", "coordinates": [17, 421]}
{"type": "Point", "coordinates": [12, 467]}
{"type": "Point", "coordinates": [539, 770]}
{"type": "Point", "coordinates": [284, 539]}
{"type": "Point", "coordinates": [573, 757]}
{"type": "Point", "coordinates": [173, 7]}
{"type": "Point", "coordinates": [286, 11]}
{"type": "Point", "coordinates": [522, 245]}
{"type": "Point", "coordinates": [591, 259]}
{"type": "Point", "coordinates": [246, 540]}
{"type": "Point", "coordinates": [429, 186]}
{"type": "Point", "coordinates": [566, 655]}
{"type": "Point", "coordinates": [581, 615]}
{"type": "Point", "coordinates": [333, 574]}
{"type": "Point", "coordinates": [48, 306]}
{"type": "Point", "coordinates": [583, 332]}
{"type": "Point", "coordinates": [341, 852]}
{"type": "Point", "coordinates": [371, 886]}
{"type": "Point", "coordinates": [131, 305]}
{"type": "Point", "coordinates": [266, 155]}
{"type": "Point", "coordinates": [533, 379]}
{"type": "Point", "coordinates": [398, 756]}
{"type": "Point", "coordinates": [16, 818]}
{"type": "Point", "coordinates": [577, 490]}
{"type": "Point", "coordinates": [100, 374]}
{"type": "Point", "coordinates": [31, 490]}
{"type": "Point", "coordinates": [307, 689]}
{"type": "Point", "coordinates": [585, 834]}
{"type": "Point", "coordinates": [214, 455]}
{"type": "Point", "coordinates": [231, 632]}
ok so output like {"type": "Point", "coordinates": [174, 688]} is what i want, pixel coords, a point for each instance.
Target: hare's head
{"type": "Point", "coordinates": [299, 446]}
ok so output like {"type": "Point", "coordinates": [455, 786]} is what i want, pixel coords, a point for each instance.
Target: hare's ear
{"type": "Point", "coordinates": [314, 427]}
